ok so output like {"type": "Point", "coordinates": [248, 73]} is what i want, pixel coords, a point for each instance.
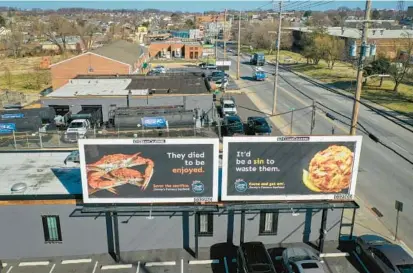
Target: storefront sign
{"type": "Point", "coordinates": [7, 127]}
{"type": "Point", "coordinates": [149, 170]}
{"type": "Point", "coordinates": [290, 168]}
{"type": "Point", "coordinates": [13, 115]}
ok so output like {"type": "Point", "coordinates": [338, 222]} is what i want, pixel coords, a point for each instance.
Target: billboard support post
{"type": "Point", "coordinates": [242, 232]}
{"type": "Point", "coordinates": [14, 139]}
{"type": "Point", "coordinates": [116, 231]}
{"type": "Point", "coordinates": [352, 224]}
{"type": "Point", "coordinates": [196, 234]}
{"type": "Point", "coordinates": [323, 231]}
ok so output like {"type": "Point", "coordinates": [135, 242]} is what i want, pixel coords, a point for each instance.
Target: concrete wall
{"type": "Point", "coordinates": [190, 101]}
{"type": "Point", "coordinates": [22, 231]}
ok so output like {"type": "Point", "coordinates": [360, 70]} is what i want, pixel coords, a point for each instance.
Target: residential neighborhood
{"type": "Point", "coordinates": [172, 136]}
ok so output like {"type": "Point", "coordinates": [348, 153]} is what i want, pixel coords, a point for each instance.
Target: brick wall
{"type": "Point", "coordinates": [66, 70]}
{"type": "Point", "coordinates": [193, 51]}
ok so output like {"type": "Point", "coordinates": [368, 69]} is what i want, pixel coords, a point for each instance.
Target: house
{"type": "Point", "coordinates": [72, 43]}
{"type": "Point", "coordinates": [175, 49]}
{"type": "Point", "coordinates": [119, 57]}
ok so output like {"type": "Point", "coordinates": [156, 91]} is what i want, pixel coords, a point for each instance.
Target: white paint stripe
{"type": "Point", "coordinates": [226, 265]}
{"type": "Point", "coordinates": [361, 262]}
{"type": "Point", "coordinates": [8, 271]}
{"type": "Point", "coordinates": [182, 265]}
{"type": "Point", "coordinates": [51, 269]}
{"type": "Point", "coordinates": [94, 268]}
{"type": "Point", "coordinates": [215, 261]}
{"type": "Point", "coordinates": [34, 263]}
{"type": "Point", "coordinates": [4, 265]}
{"type": "Point", "coordinates": [78, 261]}
{"type": "Point", "coordinates": [160, 263]}
{"type": "Point", "coordinates": [116, 266]}
{"type": "Point", "coordinates": [332, 255]}
{"type": "Point", "coordinates": [138, 267]}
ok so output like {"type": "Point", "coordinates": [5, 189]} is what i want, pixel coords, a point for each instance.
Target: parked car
{"type": "Point", "coordinates": [232, 125]}
{"type": "Point", "coordinates": [160, 69]}
{"type": "Point", "coordinates": [207, 66]}
{"type": "Point", "coordinates": [258, 74]}
{"type": "Point", "coordinates": [258, 126]}
{"type": "Point", "coordinates": [253, 257]}
{"type": "Point", "coordinates": [153, 73]}
{"type": "Point", "coordinates": [217, 76]}
{"type": "Point", "coordinates": [385, 255]}
{"type": "Point", "coordinates": [228, 106]}
{"type": "Point", "coordinates": [301, 260]}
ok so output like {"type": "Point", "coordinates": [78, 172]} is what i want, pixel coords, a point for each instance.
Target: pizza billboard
{"type": "Point", "coordinates": [290, 168]}
{"type": "Point", "coordinates": [149, 170]}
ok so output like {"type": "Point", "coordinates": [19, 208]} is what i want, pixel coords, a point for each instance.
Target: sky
{"type": "Point", "coordinates": [199, 6]}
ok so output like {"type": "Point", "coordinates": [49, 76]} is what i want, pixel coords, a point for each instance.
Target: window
{"type": "Point", "coordinates": [51, 228]}
{"type": "Point", "coordinates": [206, 224]}
{"type": "Point", "coordinates": [268, 223]}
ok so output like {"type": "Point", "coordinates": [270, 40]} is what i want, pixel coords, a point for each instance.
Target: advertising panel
{"type": "Point", "coordinates": [290, 168]}
{"type": "Point", "coordinates": [149, 170]}
{"type": "Point", "coordinates": [154, 122]}
{"type": "Point", "coordinates": [7, 128]}
{"type": "Point", "coordinates": [13, 115]}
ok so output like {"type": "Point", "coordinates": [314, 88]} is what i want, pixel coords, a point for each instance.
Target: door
{"type": "Point", "coordinates": [60, 109]}
{"type": "Point", "coordinates": [191, 55]}
{"type": "Point", "coordinates": [196, 55]}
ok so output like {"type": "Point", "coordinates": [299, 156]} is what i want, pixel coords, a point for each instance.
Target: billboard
{"type": "Point", "coordinates": [149, 170]}
{"type": "Point", "coordinates": [7, 127]}
{"type": "Point", "coordinates": [290, 168]}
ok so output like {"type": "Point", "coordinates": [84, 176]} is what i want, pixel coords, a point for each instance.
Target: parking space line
{"type": "Point", "coordinates": [4, 265]}
{"type": "Point", "coordinates": [226, 265]}
{"type": "Point", "coordinates": [361, 262]}
{"type": "Point", "coordinates": [51, 269]}
{"type": "Point", "coordinates": [138, 267]}
{"type": "Point", "coordinates": [182, 265]}
{"type": "Point", "coordinates": [215, 261]}
{"type": "Point", "coordinates": [10, 268]}
{"type": "Point", "coordinates": [94, 268]}
{"type": "Point", "coordinates": [334, 255]}
{"type": "Point", "coordinates": [116, 266]}
{"type": "Point", "coordinates": [34, 263]}
{"type": "Point", "coordinates": [77, 261]}
{"type": "Point", "coordinates": [160, 263]}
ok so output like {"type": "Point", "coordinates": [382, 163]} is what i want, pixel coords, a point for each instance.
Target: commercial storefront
{"type": "Point", "coordinates": [138, 194]}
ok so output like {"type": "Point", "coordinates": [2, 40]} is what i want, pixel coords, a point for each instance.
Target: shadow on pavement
{"type": "Point", "coordinates": [274, 253]}
{"type": "Point", "coordinates": [223, 251]}
{"type": "Point", "coordinates": [247, 78]}
{"type": "Point", "coordinates": [354, 259]}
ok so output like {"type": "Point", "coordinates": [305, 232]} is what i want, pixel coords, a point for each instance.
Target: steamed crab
{"type": "Point", "coordinates": [112, 171]}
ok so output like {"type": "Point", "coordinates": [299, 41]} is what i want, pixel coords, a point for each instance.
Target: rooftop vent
{"type": "Point", "coordinates": [381, 31]}
{"type": "Point", "coordinates": [374, 31]}
{"type": "Point", "coordinates": [19, 187]}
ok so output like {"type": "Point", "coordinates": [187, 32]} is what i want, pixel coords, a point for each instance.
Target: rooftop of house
{"type": "Point", "coordinates": [121, 51]}
{"type": "Point", "coordinates": [355, 33]}
{"type": "Point", "coordinates": [44, 173]}
{"type": "Point", "coordinates": [119, 85]}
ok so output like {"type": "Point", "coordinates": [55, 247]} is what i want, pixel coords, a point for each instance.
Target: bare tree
{"type": "Point", "coordinates": [403, 63]}
{"type": "Point", "coordinates": [14, 42]}
{"type": "Point", "coordinates": [57, 31]}
{"type": "Point", "coordinates": [86, 33]}
{"type": "Point", "coordinates": [8, 76]}
{"type": "Point", "coordinates": [333, 48]}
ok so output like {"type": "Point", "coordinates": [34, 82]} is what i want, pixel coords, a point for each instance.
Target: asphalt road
{"type": "Point", "coordinates": [384, 176]}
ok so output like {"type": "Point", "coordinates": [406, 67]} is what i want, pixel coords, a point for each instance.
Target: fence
{"type": "Point", "coordinates": [56, 139]}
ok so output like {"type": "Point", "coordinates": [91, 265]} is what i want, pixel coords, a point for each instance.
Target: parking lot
{"type": "Point", "coordinates": [220, 258]}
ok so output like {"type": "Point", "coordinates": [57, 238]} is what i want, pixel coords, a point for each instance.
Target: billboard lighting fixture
{"type": "Point", "coordinates": [294, 213]}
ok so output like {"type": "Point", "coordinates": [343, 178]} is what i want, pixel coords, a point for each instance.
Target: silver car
{"type": "Point", "coordinates": [301, 260]}
{"type": "Point", "coordinates": [385, 255]}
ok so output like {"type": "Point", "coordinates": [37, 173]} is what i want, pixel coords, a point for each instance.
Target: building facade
{"type": "Point", "coordinates": [175, 49]}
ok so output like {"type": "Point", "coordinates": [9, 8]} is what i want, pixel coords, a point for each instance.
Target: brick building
{"type": "Point", "coordinates": [175, 49]}
{"type": "Point", "coordinates": [119, 57]}
{"type": "Point", "coordinates": [199, 20]}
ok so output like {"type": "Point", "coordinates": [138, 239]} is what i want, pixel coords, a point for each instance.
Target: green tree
{"type": "Point", "coordinates": [145, 24]}
{"type": "Point", "coordinates": [307, 13]}
{"type": "Point", "coordinates": [380, 66]}
{"type": "Point", "coordinates": [189, 24]}
{"type": "Point", "coordinates": [375, 15]}
{"type": "Point", "coordinates": [2, 21]}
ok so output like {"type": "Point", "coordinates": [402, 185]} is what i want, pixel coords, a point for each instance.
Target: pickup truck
{"type": "Point", "coordinates": [228, 107]}
{"type": "Point", "coordinates": [77, 129]}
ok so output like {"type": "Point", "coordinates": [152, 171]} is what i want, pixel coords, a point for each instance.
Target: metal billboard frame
{"type": "Point", "coordinates": [147, 141]}
{"type": "Point", "coordinates": [269, 139]}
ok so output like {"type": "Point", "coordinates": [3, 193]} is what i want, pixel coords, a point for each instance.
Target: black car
{"type": "Point", "coordinates": [232, 125]}
{"type": "Point", "coordinates": [258, 126]}
{"type": "Point", "coordinates": [385, 255]}
{"type": "Point", "coordinates": [253, 257]}
{"type": "Point", "coordinates": [153, 73]}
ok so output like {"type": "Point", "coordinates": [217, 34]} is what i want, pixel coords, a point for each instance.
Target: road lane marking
{"type": "Point", "coordinates": [215, 261]}
{"type": "Point", "coordinates": [94, 268]}
{"type": "Point", "coordinates": [182, 265]}
{"type": "Point", "coordinates": [34, 263]}
{"type": "Point", "coordinates": [361, 262]}
{"type": "Point", "coordinates": [77, 261]}
{"type": "Point", "coordinates": [226, 265]}
{"type": "Point", "coordinates": [51, 269]}
{"type": "Point", "coordinates": [116, 266]}
{"type": "Point", "coordinates": [160, 263]}
{"type": "Point", "coordinates": [334, 255]}
{"type": "Point", "coordinates": [406, 248]}
{"type": "Point", "coordinates": [10, 268]}
{"type": "Point", "coordinates": [138, 267]}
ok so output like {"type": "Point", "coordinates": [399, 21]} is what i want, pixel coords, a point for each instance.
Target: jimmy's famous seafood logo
{"type": "Point", "coordinates": [198, 186]}
{"type": "Point", "coordinates": [240, 185]}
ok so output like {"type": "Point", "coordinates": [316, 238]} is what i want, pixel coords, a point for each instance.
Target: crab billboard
{"type": "Point", "coordinates": [290, 168]}
{"type": "Point", "coordinates": [149, 170]}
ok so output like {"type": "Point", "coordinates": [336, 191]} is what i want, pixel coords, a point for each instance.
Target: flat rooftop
{"type": "Point", "coordinates": [44, 173]}
{"type": "Point", "coordinates": [140, 85]}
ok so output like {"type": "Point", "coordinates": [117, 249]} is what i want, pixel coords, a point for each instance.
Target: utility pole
{"type": "Point", "coordinates": [224, 36]}
{"type": "Point", "coordinates": [274, 107]}
{"type": "Point", "coordinates": [239, 46]}
{"type": "Point", "coordinates": [364, 39]}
